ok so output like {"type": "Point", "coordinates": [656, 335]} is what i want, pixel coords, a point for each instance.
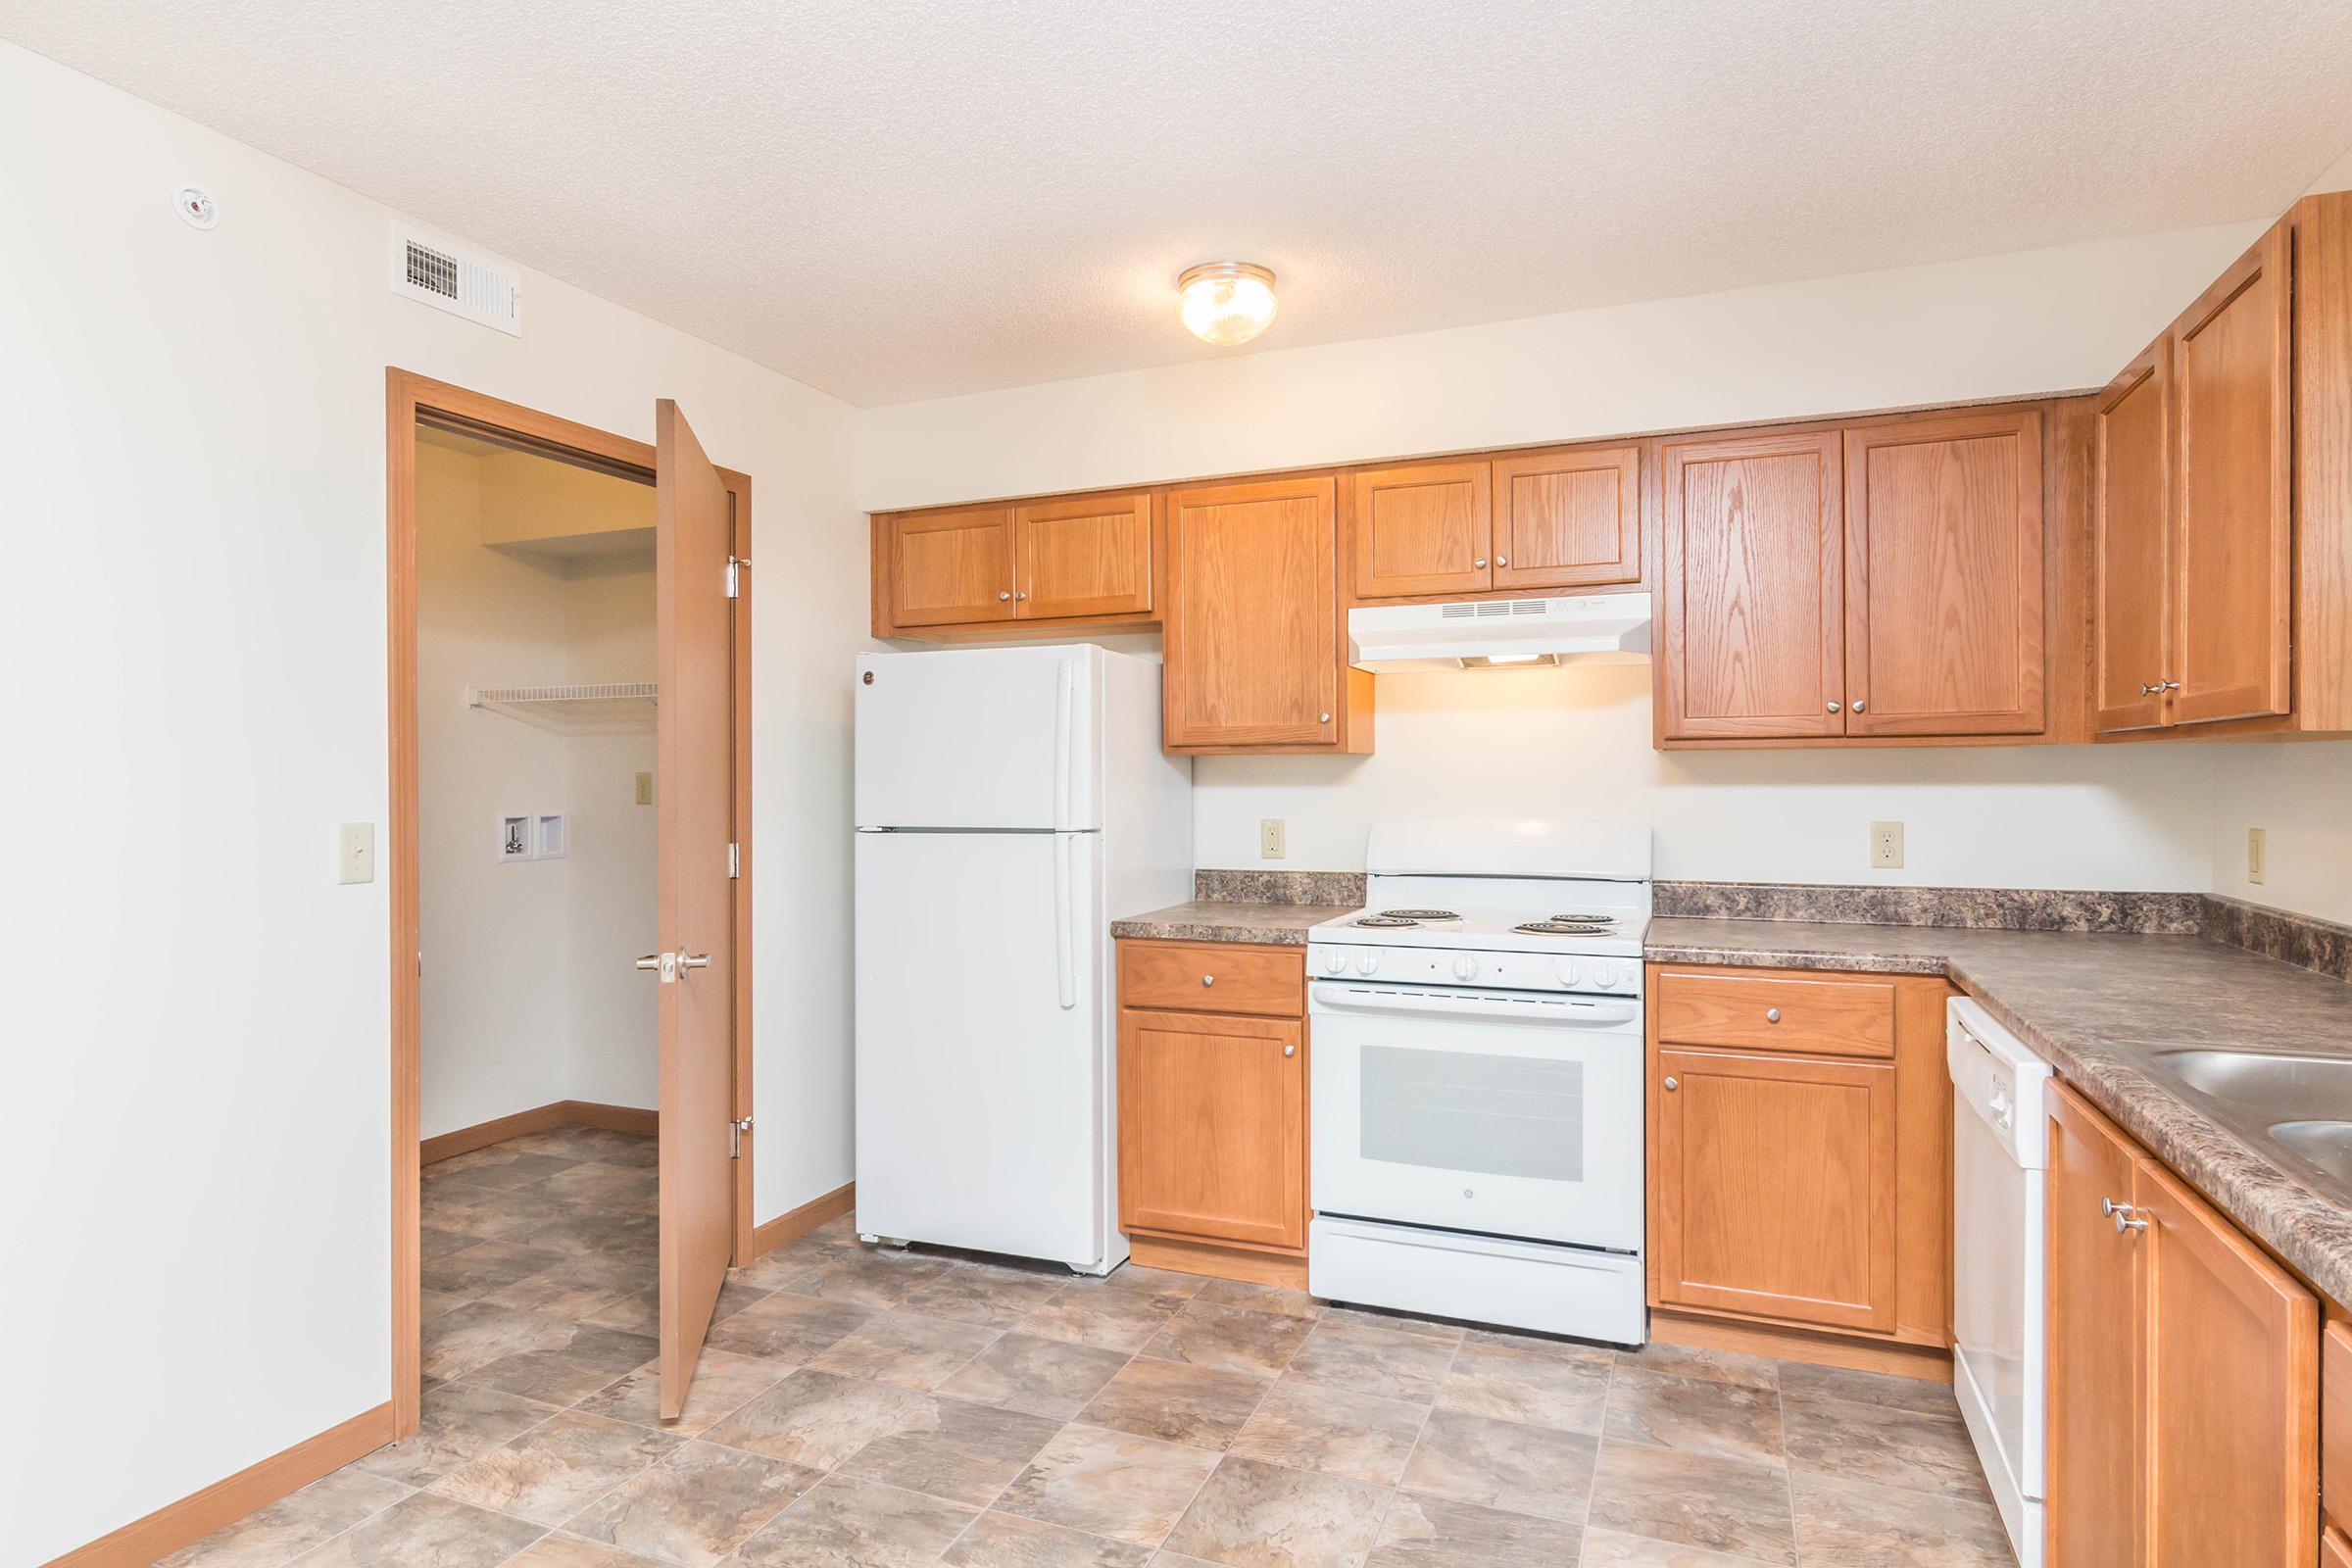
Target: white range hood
{"type": "Point", "coordinates": [1499, 633]}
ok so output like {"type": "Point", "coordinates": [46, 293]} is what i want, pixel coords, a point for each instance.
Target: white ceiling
{"type": "Point", "coordinates": [899, 201]}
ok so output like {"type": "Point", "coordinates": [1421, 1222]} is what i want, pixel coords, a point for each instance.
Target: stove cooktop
{"type": "Point", "coordinates": [1616, 933]}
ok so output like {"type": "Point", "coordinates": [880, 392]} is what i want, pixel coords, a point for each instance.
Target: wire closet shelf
{"type": "Point", "coordinates": [599, 705]}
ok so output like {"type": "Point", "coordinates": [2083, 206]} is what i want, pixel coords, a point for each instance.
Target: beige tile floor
{"type": "Point", "coordinates": [882, 1408]}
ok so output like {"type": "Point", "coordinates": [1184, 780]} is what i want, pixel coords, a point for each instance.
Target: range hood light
{"type": "Point", "coordinates": [1508, 661]}
{"type": "Point", "coordinates": [1610, 628]}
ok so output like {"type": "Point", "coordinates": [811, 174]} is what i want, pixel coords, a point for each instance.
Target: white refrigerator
{"type": "Point", "coordinates": [1010, 802]}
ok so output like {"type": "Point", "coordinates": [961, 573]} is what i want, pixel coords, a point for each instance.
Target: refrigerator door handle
{"type": "Point", "coordinates": [1066, 956]}
{"type": "Point", "coordinates": [1065, 700]}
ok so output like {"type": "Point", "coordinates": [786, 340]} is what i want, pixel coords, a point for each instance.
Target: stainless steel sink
{"type": "Point", "coordinates": [2299, 1107]}
{"type": "Point", "coordinates": [2325, 1143]}
{"type": "Point", "coordinates": [2275, 1088]}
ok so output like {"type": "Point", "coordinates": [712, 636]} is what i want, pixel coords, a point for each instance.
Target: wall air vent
{"type": "Point", "coordinates": [1478, 609]}
{"type": "Point", "coordinates": [450, 278]}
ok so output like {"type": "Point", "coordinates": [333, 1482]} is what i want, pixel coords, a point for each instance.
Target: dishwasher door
{"type": "Point", "coordinates": [2001, 1153]}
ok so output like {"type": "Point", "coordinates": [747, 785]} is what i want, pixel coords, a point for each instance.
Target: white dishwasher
{"type": "Point", "coordinates": [2000, 1159]}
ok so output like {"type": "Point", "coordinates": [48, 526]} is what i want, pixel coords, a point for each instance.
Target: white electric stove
{"type": "Point", "coordinates": [1478, 1077]}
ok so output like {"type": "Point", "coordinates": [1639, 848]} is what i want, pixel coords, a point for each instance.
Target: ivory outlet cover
{"type": "Point", "coordinates": [1270, 839]}
{"type": "Point", "coordinates": [1887, 845]}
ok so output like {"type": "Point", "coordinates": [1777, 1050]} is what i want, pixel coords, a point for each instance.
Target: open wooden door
{"type": "Point", "coordinates": [694, 659]}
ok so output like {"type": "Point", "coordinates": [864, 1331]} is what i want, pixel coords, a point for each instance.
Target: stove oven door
{"type": "Point", "coordinates": [1499, 1113]}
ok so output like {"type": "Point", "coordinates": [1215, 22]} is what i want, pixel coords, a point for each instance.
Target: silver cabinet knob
{"type": "Point", "coordinates": [1772, 1015]}
{"type": "Point", "coordinates": [2171, 686]}
{"type": "Point", "coordinates": [2148, 689]}
{"type": "Point", "coordinates": [1005, 593]}
{"type": "Point", "coordinates": [1322, 718]}
{"type": "Point", "coordinates": [1208, 979]}
{"type": "Point", "coordinates": [1503, 560]}
{"type": "Point", "coordinates": [1480, 562]}
{"type": "Point", "coordinates": [2122, 1214]}
{"type": "Point", "coordinates": [1290, 1050]}
{"type": "Point", "coordinates": [1023, 594]}
{"type": "Point", "coordinates": [1833, 707]}
{"type": "Point", "coordinates": [1672, 1084]}
{"type": "Point", "coordinates": [1859, 705]}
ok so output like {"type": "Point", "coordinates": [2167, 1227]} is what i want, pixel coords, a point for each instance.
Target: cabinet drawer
{"type": "Point", "coordinates": [2336, 1427]}
{"type": "Point", "coordinates": [2334, 1550]}
{"type": "Point", "coordinates": [1213, 977]}
{"type": "Point", "coordinates": [1819, 1017]}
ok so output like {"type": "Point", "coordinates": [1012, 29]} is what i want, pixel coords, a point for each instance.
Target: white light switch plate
{"type": "Point", "coordinates": [1886, 846]}
{"type": "Point", "coordinates": [355, 853]}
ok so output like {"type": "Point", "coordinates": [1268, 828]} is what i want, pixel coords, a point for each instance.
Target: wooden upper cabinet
{"type": "Point", "coordinates": [950, 566]}
{"type": "Point", "coordinates": [2233, 358]}
{"type": "Point", "coordinates": [1212, 1126]}
{"type": "Point", "coordinates": [2229, 1390]}
{"type": "Point", "coordinates": [1087, 555]}
{"type": "Point", "coordinates": [1752, 643]}
{"type": "Point", "coordinates": [1569, 519]}
{"type": "Point", "coordinates": [1771, 1187]}
{"type": "Point", "coordinates": [1943, 575]}
{"type": "Point", "coordinates": [1255, 645]}
{"type": "Point", "coordinates": [2092, 1495]}
{"type": "Point", "coordinates": [1421, 530]}
{"type": "Point", "coordinates": [2132, 543]}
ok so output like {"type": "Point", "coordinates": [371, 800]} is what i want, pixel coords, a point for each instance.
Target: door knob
{"type": "Point", "coordinates": [663, 963]}
{"type": "Point", "coordinates": [689, 960]}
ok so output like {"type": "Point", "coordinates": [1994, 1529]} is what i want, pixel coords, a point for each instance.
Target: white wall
{"type": "Point", "coordinates": [192, 609]}
{"type": "Point", "coordinates": [2299, 793]}
{"type": "Point", "coordinates": [2035, 321]}
{"type": "Point", "coordinates": [1577, 742]}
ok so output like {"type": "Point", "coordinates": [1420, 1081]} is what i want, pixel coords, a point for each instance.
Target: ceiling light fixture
{"type": "Point", "coordinates": [1226, 303]}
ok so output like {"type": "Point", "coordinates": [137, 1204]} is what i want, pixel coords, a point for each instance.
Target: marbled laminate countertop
{"type": "Point", "coordinates": [1228, 920]}
{"type": "Point", "coordinates": [2100, 1006]}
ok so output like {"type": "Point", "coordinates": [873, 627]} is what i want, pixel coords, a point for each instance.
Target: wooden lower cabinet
{"type": "Point", "coordinates": [2184, 1372]}
{"type": "Point", "coordinates": [1213, 1108]}
{"type": "Point", "coordinates": [1799, 1152]}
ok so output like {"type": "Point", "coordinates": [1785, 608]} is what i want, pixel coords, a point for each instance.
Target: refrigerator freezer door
{"type": "Point", "coordinates": [980, 738]}
{"type": "Point", "coordinates": [981, 1069]}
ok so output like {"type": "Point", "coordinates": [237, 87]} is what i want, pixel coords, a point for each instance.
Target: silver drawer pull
{"type": "Point", "coordinates": [1208, 979]}
{"type": "Point", "coordinates": [1772, 1015]}
{"type": "Point", "coordinates": [1672, 1085]}
{"type": "Point", "coordinates": [1290, 1050]}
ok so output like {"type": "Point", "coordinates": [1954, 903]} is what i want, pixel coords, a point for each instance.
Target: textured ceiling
{"type": "Point", "coordinates": [897, 201]}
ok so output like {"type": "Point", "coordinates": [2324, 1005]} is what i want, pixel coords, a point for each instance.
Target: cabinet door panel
{"type": "Point", "coordinates": [1253, 643]}
{"type": "Point", "coordinates": [1568, 519]}
{"type": "Point", "coordinates": [2234, 518]}
{"type": "Point", "coordinates": [952, 566]}
{"type": "Point", "coordinates": [1212, 1126]}
{"type": "Point", "coordinates": [2230, 1392]}
{"type": "Point", "coordinates": [1943, 592]}
{"type": "Point", "coordinates": [1087, 557]}
{"type": "Point", "coordinates": [1755, 591]}
{"type": "Point", "coordinates": [2131, 610]}
{"type": "Point", "coordinates": [1773, 1187]}
{"type": "Point", "coordinates": [2092, 1475]}
{"type": "Point", "coordinates": [1422, 529]}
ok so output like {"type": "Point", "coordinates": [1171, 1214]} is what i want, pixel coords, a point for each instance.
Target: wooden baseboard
{"type": "Point", "coordinates": [537, 1119]}
{"type": "Point", "coordinates": [256, 1485]}
{"type": "Point", "coordinates": [1218, 1262]}
{"type": "Point", "coordinates": [795, 1223]}
{"type": "Point", "coordinates": [1800, 1344]}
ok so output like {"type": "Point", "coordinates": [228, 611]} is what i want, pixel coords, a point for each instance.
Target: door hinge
{"type": "Point", "coordinates": [735, 1132]}
{"type": "Point", "coordinates": [734, 859]}
{"type": "Point", "coordinates": [735, 570]}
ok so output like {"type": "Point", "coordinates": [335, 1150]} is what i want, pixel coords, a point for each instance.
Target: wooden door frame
{"type": "Point", "coordinates": [406, 396]}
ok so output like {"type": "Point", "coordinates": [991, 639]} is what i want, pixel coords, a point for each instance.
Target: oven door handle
{"type": "Point", "coordinates": [1334, 995]}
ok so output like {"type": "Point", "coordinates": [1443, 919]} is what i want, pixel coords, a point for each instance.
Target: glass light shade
{"type": "Point", "coordinates": [1226, 303]}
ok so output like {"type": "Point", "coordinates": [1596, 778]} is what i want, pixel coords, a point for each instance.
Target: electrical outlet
{"type": "Point", "coordinates": [1885, 845]}
{"type": "Point", "coordinates": [645, 789]}
{"type": "Point", "coordinates": [2258, 853]}
{"type": "Point", "coordinates": [1269, 839]}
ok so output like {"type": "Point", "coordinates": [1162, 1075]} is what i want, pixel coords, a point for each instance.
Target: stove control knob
{"type": "Point", "coordinates": [1465, 967]}
{"type": "Point", "coordinates": [1366, 962]}
{"type": "Point", "coordinates": [1622, 977]}
{"type": "Point", "coordinates": [1571, 972]}
{"type": "Point", "coordinates": [1334, 961]}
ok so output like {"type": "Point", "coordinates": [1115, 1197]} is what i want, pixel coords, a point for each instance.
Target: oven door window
{"type": "Point", "coordinates": [1474, 1113]}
